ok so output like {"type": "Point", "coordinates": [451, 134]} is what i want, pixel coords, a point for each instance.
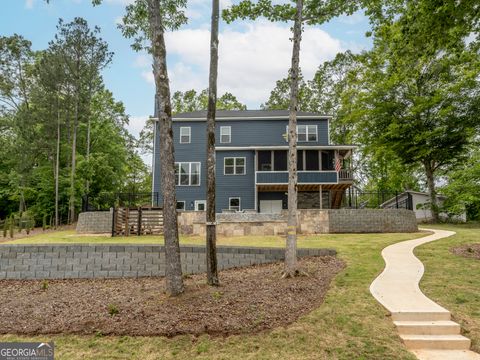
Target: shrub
{"type": "Point", "coordinates": [113, 309]}
{"type": "Point", "coordinates": [44, 285]}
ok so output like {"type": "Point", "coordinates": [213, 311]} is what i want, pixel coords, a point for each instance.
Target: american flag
{"type": "Point", "coordinates": [338, 164]}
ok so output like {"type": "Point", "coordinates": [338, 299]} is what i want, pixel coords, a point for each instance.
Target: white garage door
{"type": "Point", "coordinates": [271, 206]}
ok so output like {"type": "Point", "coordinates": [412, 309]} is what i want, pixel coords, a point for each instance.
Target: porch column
{"type": "Point", "coordinates": [321, 197]}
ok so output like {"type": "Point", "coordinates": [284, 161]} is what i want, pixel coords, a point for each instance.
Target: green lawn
{"type": "Point", "coordinates": [71, 237]}
{"type": "Point", "coordinates": [349, 325]}
{"type": "Point", "coordinates": [454, 281]}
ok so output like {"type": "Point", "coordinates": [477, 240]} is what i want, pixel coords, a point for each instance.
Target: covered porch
{"type": "Point", "coordinates": [274, 198]}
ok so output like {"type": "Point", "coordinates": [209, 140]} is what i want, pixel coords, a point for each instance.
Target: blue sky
{"type": "Point", "coordinates": [253, 55]}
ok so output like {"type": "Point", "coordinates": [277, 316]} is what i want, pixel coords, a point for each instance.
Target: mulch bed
{"type": "Point", "coordinates": [249, 300]}
{"type": "Point", "coordinates": [468, 251]}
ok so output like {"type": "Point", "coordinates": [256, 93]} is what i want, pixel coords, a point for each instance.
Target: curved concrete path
{"type": "Point", "coordinates": [424, 326]}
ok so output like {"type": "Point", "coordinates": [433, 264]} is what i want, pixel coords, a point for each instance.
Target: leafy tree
{"type": "Point", "coordinates": [190, 100]}
{"type": "Point", "coordinates": [84, 54]}
{"type": "Point", "coordinates": [463, 187]}
{"type": "Point", "coordinates": [423, 108]}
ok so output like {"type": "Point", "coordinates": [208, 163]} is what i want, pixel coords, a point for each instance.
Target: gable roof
{"type": "Point", "coordinates": [247, 114]}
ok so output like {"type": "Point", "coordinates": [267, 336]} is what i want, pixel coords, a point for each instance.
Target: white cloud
{"type": "Point", "coordinates": [29, 4]}
{"type": "Point", "coordinates": [356, 18]}
{"type": "Point", "coordinates": [142, 61]}
{"type": "Point", "coordinates": [148, 76]}
{"type": "Point", "coordinates": [250, 61]}
{"type": "Point", "coordinates": [136, 124]}
{"type": "Point", "coordinates": [120, 2]}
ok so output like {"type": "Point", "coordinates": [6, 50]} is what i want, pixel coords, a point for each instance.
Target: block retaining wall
{"type": "Point", "coordinates": [312, 221]}
{"type": "Point", "coordinates": [124, 261]}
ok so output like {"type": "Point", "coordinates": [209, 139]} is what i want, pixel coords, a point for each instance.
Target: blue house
{"type": "Point", "coordinates": [251, 161]}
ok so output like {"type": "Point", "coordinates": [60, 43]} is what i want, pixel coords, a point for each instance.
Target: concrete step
{"type": "Point", "coordinates": [441, 327]}
{"type": "Point", "coordinates": [421, 316]}
{"type": "Point", "coordinates": [444, 342]}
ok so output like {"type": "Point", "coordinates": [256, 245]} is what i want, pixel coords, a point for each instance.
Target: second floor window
{"type": "Point", "coordinates": [185, 132]}
{"type": "Point", "coordinates": [187, 173]}
{"type": "Point", "coordinates": [225, 134]}
{"type": "Point", "coordinates": [305, 133]}
{"type": "Point", "coordinates": [234, 166]}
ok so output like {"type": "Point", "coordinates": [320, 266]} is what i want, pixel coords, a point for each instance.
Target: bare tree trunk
{"type": "Point", "coordinates": [291, 268]}
{"type": "Point", "coordinates": [173, 269]}
{"type": "Point", "coordinates": [429, 172]}
{"type": "Point", "coordinates": [87, 182]}
{"type": "Point", "coordinates": [57, 164]}
{"type": "Point", "coordinates": [212, 273]}
{"type": "Point", "coordinates": [71, 211]}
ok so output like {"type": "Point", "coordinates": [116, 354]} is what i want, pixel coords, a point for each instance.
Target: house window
{"type": "Point", "coordinates": [225, 134]}
{"type": "Point", "coordinates": [305, 133]}
{"type": "Point", "coordinates": [234, 203]}
{"type": "Point", "coordinates": [185, 132]}
{"type": "Point", "coordinates": [234, 166]}
{"type": "Point", "coordinates": [200, 205]}
{"type": "Point", "coordinates": [264, 160]}
{"type": "Point", "coordinates": [180, 205]}
{"type": "Point", "coordinates": [187, 173]}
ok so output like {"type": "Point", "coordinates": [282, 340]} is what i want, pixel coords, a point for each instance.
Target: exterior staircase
{"type": "Point", "coordinates": [425, 327]}
{"type": "Point", "coordinates": [432, 330]}
{"type": "Point", "coordinates": [337, 197]}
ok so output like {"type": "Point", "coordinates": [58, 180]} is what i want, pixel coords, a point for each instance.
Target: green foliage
{"type": "Point", "coordinates": [44, 285]}
{"type": "Point", "coordinates": [463, 188]}
{"type": "Point", "coordinates": [135, 23]}
{"type": "Point", "coordinates": [42, 106]}
{"type": "Point", "coordinates": [113, 309]}
{"type": "Point", "coordinates": [190, 100]}
{"type": "Point", "coordinates": [315, 11]}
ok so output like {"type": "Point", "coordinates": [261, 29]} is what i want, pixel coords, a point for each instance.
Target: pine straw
{"type": "Point", "coordinates": [468, 251]}
{"type": "Point", "coordinates": [249, 300]}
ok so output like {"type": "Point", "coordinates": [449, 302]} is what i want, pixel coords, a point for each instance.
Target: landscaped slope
{"type": "Point", "coordinates": [350, 324]}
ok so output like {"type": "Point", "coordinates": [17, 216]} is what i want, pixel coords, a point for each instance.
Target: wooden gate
{"type": "Point", "coordinates": [137, 221]}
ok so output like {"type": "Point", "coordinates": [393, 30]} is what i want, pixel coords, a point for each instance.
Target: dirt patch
{"type": "Point", "coordinates": [468, 251]}
{"type": "Point", "coordinates": [249, 300]}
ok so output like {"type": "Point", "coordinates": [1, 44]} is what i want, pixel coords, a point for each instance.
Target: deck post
{"type": "Point", "coordinates": [320, 190]}
{"type": "Point", "coordinates": [139, 221]}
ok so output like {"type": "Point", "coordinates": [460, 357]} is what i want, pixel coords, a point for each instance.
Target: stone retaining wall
{"type": "Point", "coordinates": [312, 221]}
{"type": "Point", "coordinates": [95, 222]}
{"type": "Point", "coordinates": [116, 261]}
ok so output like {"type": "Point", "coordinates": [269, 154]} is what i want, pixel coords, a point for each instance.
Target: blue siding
{"type": "Point", "coordinates": [303, 177]}
{"type": "Point", "coordinates": [244, 133]}
{"type": "Point", "coordinates": [242, 186]}
{"type": "Point", "coordinates": [267, 132]}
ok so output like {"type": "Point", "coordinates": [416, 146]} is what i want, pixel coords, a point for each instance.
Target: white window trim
{"type": "Point", "coordinates": [239, 203]}
{"type": "Point", "coordinates": [189, 173]}
{"type": "Point", "coordinates": [306, 133]}
{"type": "Point", "coordinates": [189, 134]}
{"type": "Point", "coordinates": [235, 165]}
{"type": "Point", "coordinates": [184, 205]}
{"type": "Point", "coordinates": [229, 128]}
{"type": "Point", "coordinates": [197, 202]}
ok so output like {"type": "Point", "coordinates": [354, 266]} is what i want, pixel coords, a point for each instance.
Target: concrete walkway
{"type": "Point", "coordinates": [424, 326]}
